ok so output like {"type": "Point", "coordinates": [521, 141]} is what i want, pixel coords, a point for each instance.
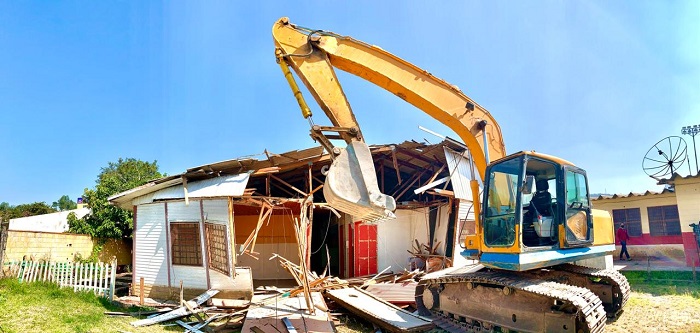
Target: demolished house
{"type": "Point", "coordinates": [217, 225]}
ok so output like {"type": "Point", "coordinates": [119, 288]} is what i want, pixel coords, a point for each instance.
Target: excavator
{"type": "Point", "coordinates": [533, 216]}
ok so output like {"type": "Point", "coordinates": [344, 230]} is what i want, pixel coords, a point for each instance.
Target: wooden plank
{"type": "Point", "coordinates": [179, 312]}
{"type": "Point", "coordinates": [266, 316]}
{"type": "Point", "coordinates": [289, 185]}
{"type": "Point", "coordinates": [222, 303]}
{"type": "Point", "coordinates": [379, 312]}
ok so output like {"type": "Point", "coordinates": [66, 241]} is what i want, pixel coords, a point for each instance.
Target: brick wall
{"type": "Point", "coordinates": [61, 247]}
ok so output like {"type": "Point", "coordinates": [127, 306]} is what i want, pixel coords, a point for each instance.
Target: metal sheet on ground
{"type": "Point", "coordinates": [379, 312]}
{"type": "Point", "coordinates": [394, 293]}
{"type": "Point", "coordinates": [266, 316]}
{"type": "Point", "coordinates": [177, 313]}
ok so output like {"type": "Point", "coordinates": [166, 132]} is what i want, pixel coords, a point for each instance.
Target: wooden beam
{"type": "Point", "coordinates": [430, 185]}
{"type": "Point", "coordinates": [411, 184]}
{"type": "Point", "coordinates": [381, 173]}
{"type": "Point", "coordinates": [290, 185]}
{"type": "Point", "coordinates": [282, 189]}
{"type": "Point", "coordinates": [311, 179]}
{"type": "Point", "coordinates": [265, 171]}
{"type": "Point", "coordinates": [432, 179]}
{"type": "Point", "coordinates": [396, 163]}
{"type": "Point", "coordinates": [415, 155]}
{"type": "Point", "coordinates": [232, 237]}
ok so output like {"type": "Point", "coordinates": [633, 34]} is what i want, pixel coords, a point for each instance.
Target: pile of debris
{"type": "Point", "coordinates": [222, 319]}
{"type": "Point", "coordinates": [386, 300]}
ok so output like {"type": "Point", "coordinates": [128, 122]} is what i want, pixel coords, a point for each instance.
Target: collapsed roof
{"type": "Point", "coordinates": [401, 168]}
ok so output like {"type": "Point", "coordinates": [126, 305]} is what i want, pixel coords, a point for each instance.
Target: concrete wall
{"type": "Point", "coordinates": [54, 222]}
{"type": "Point", "coordinates": [680, 248]}
{"type": "Point", "coordinates": [642, 202]}
{"type": "Point", "coordinates": [688, 194]}
{"type": "Point", "coordinates": [61, 247]}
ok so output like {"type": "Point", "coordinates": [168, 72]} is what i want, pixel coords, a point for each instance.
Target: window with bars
{"type": "Point", "coordinates": [631, 217]}
{"type": "Point", "coordinates": [186, 247]}
{"type": "Point", "coordinates": [664, 221]}
{"type": "Point", "coordinates": [217, 249]}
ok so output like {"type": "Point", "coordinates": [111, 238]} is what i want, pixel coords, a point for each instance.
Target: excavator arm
{"type": "Point", "coordinates": [351, 184]}
{"type": "Point", "coordinates": [313, 54]}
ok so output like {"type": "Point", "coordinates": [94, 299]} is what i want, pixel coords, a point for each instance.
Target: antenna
{"type": "Point", "coordinates": [665, 157]}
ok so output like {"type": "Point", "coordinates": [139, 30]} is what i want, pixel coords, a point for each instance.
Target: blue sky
{"type": "Point", "coordinates": [189, 83]}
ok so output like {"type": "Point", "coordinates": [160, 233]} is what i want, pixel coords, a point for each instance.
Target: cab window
{"type": "Point", "coordinates": [576, 190]}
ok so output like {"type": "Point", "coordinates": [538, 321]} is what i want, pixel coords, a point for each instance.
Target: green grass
{"type": "Point", "coordinates": [660, 283]}
{"type": "Point", "coordinates": [43, 307]}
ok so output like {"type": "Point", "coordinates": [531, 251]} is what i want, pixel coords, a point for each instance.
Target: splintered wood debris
{"type": "Point", "coordinates": [182, 311]}
{"type": "Point", "coordinates": [303, 308]}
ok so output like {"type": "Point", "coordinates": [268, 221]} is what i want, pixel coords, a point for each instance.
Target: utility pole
{"type": "Point", "coordinates": [693, 131]}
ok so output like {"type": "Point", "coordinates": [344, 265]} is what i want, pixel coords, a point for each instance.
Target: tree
{"type": "Point", "coordinates": [64, 203]}
{"type": "Point", "coordinates": [5, 211]}
{"type": "Point", "coordinates": [35, 208]}
{"type": "Point", "coordinates": [8, 211]}
{"type": "Point", "coordinates": [107, 221]}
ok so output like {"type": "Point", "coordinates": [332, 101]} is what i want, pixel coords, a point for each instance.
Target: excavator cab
{"type": "Point", "coordinates": [534, 203]}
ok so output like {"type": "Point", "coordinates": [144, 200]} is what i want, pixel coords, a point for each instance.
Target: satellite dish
{"type": "Point", "coordinates": [665, 157]}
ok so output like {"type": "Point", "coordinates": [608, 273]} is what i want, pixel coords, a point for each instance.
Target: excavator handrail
{"type": "Point", "coordinates": [313, 54]}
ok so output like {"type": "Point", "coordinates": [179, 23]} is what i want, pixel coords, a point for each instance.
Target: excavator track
{"type": "Point", "coordinates": [610, 286]}
{"type": "Point", "coordinates": [499, 301]}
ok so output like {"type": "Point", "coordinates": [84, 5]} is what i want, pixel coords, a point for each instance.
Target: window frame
{"type": "Point", "coordinates": [179, 260]}
{"type": "Point", "coordinates": [219, 265]}
{"type": "Point", "coordinates": [627, 221]}
{"type": "Point", "coordinates": [664, 221]}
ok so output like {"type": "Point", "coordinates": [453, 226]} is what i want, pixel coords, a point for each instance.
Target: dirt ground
{"type": "Point", "coordinates": [643, 313]}
{"type": "Point", "coordinates": [660, 313]}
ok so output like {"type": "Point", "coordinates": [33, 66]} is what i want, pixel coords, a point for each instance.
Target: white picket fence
{"type": "Point", "coordinates": [96, 277]}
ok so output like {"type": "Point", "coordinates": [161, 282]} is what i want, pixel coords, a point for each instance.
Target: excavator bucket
{"type": "Point", "coordinates": [351, 186]}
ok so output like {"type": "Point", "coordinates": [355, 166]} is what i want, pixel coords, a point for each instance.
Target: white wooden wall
{"type": "Point", "coordinates": [394, 237]}
{"type": "Point", "coordinates": [150, 245]}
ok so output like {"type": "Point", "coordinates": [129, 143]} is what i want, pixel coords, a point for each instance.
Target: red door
{"type": "Point", "coordinates": [365, 249]}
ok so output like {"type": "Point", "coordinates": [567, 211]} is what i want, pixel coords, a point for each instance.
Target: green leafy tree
{"type": "Point", "coordinates": [107, 221]}
{"type": "Point", "coordinates": [35, 208]}
{"type": "Point", "coordinates": [5, 211]}
{"type": "Point", "coordinates": [64, 203]}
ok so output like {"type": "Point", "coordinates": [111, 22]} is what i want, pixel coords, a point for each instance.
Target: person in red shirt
{"type": "Point", "coordinates": [623, 237]}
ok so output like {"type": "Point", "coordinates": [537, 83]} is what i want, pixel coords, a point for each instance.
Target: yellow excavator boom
{"type": "Point", "coordinates": [313, 54]}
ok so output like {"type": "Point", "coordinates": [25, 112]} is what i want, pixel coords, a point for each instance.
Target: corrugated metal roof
{"type": "Point", "coordinates": [225, 186]}
{"type": "Point", "coordinates": [460, 174]}
{"type": "Point", "coordinates": [631, 194]}
{"type": "Point", "coordinates": [674, 178]}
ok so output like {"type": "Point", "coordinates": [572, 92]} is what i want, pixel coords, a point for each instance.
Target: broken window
{"type": "Point", "coordinates": [217, 251]}
{"type": "Point", "coordinates": [186, 246]}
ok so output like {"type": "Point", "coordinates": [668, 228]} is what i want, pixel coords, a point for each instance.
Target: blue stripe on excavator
{"type": "Point", "coordinates": [539, 259]}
